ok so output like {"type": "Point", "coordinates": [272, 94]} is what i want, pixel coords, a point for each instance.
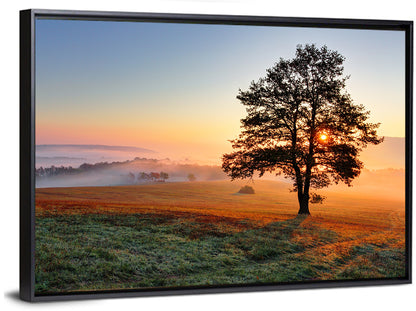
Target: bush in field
{"type": "Point", "coordinates": [316, 198]}
{"type": "Point", "coordinates": [191, 177]}
{"type": "Point", "coordinates": [246, 190]}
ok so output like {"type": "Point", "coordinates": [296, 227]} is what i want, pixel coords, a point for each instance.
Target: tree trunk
{"type": "Point", "coordinates": [304, 205]}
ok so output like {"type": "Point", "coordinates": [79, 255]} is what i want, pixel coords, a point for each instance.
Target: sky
{"type": "Point", "coordinates": [172, 87]}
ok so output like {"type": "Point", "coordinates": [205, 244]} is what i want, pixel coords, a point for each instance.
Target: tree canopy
{"type": "Point", "coordinates": [301, 122]}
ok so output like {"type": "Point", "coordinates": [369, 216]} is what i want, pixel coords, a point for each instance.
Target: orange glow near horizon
{"type": "Point", "coordinates": [202, 144]}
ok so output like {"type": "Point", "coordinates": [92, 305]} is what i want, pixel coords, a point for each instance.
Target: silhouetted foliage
{"type": "Point", "coordinates": [315, 198]}
{"type": "Point", "coordinates": [301, 122]}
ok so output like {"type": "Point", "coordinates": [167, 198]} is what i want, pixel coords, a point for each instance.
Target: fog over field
{"type": "Point", "coordinates": [127, 172]}
{"type": "Point", "coordinates": [384, 167]}
{"type": "Point", "coordinates": [389, 154]}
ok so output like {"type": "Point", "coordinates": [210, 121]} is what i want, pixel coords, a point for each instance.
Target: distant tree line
{"type": "Point", "coordinates": [85, 167]}
{"type": "Point", "coordinates": [54, 171]}
{"type": "Point", "coordinates": [152, 176]}
{"type": "Point", "coordinates": [129, 178]}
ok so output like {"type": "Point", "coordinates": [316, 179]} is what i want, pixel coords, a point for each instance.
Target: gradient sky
{"type": "Point", "coordinates": [172, 87]}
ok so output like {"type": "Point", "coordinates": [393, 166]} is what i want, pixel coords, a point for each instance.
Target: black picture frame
{"type": "Point", "coordinates": [27, 143]}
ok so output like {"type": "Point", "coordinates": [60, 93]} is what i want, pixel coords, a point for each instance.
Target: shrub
{"type": "Point", "coordinates": [191, 177]}
{"type": "Point", "coordinates": [316, 198]}
{"type": "Point", "coordinates": [246, 190]}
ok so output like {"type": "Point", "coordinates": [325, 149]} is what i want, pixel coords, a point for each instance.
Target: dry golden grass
{"type": "Point", "coordinates": [356, 216]}
{"type": "Point", "coordinates": [353, 235]}
{"type": "Point", "coordinates": [346, 211]}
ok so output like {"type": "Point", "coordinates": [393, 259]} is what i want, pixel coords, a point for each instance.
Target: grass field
{"type": "Point", "coordinates": [205, 233]}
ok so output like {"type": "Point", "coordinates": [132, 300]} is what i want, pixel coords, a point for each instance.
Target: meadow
{"type": "Point", "coordinates": [206, 233]}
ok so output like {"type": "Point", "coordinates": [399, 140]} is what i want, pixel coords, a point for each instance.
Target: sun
{"type": "Point", "coordinates": [323, 137]}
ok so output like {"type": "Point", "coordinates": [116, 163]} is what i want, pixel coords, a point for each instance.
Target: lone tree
{"type": "Point", "coordinates": [191, 177]}
{"type": "Point", "coordinates": [302, 122]}
{"type": "Point", "coordinates": [163, 176]}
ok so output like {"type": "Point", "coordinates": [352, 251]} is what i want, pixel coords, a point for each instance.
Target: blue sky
{"type": "Point", "coordinates": [159, 86]}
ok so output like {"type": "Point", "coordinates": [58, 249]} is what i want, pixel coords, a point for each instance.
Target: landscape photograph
{"type": "Point", "coordinates": [175, 155]}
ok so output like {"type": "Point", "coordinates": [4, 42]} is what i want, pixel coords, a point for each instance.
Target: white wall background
{"type": "Point", "coordinates": [369, 298]}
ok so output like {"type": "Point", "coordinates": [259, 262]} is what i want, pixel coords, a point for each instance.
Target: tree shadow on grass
{"type": "Point", "coordinates": [286, 226]}
{"type": "Point", "coordinates": [271, 241]}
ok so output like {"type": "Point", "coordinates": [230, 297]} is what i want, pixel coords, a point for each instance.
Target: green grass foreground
{"type": "Point", "coordinates": [121, 251]}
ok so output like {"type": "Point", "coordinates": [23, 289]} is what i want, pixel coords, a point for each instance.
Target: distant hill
{"type": "Point", "coordinates": [75, 155]}
{"type": "Point", "coordinates": [92, 147]}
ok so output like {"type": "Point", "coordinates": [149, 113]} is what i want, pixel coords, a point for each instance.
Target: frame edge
{"type": "Point", "coordinates": [26, 247]}
{"type": "Point", "coordinates": [27, 142]}
{"type": "Point", "coordinates": [260, 20]}
{"type": "Point", "coordinates": [409, 145]}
